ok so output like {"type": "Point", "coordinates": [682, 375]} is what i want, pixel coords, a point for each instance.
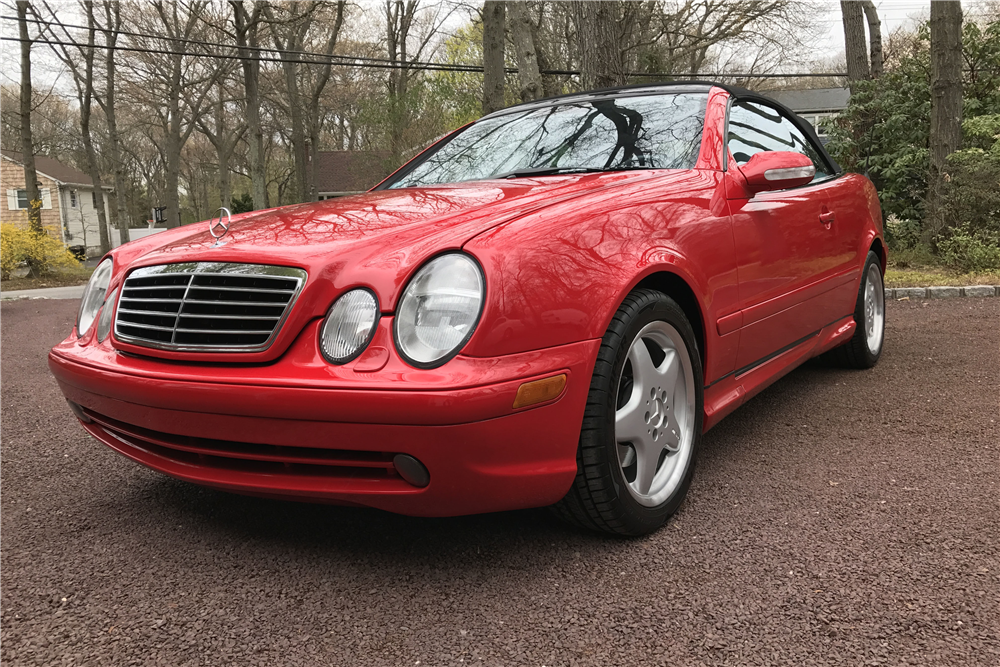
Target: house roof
{"type": "Point", "coordinates": [351, 171]}
{"type": "Point", "coordinates": [813, 100]}
{"type": "Point", "coordinates": [55, 170]}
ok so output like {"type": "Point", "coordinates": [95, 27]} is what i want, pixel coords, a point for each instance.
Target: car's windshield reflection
{"type": "Point", "coordinates": [642, 132]}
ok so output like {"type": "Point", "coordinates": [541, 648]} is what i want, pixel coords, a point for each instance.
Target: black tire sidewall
{"type": "Point", "coordinates": [652, 306]}
{"type": "Point", "coordinates": [869, 359]}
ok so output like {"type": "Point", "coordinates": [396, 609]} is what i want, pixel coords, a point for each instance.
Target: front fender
{"type": "Point", "coordinates": [558, 275]}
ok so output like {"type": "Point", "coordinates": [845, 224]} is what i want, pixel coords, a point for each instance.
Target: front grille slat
{"type": "Point", "coordinates": [224, 331]}
{"type": "Point", "coordinates": [206, 306]}
{"type": "Point", "coordinates": [141, 300]}
{"type": "Point", "coordinates": [142, 325]}
{"type": "Point", "coordinates": [230, 317]}
{"type": "Point", "coordinates": [155, 313]}
{"type": "Point", "coordinates": [241, 289]}
{"type": "Point", "coordinates": [230, 303]}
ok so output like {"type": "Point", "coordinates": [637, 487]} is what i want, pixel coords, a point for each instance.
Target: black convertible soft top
{"type": "Point", "coordinates": [677, 86]}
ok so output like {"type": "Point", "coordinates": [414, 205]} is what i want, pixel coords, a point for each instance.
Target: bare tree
{"type": "Point", "coordinates": [523, 33]}
{"type": "Point", "coordinates": [86, 105]}
{"type": "Point", "coordinates": [83, 78]}
{"type": "Point", "coordinates": [855, 44]}
{"type": "Point", "coordinates": [246, 29]}
{"type": "Point", "coordinates": [176, 87]}
{"type": "Point", "coordinates": [401, 29]}
{"type": "Point", "coordinates": [946, 100]}
{"type": "Point", "coordinates": [290, 34]}
{"type": "Point", "coordinates": [112, 26]}
{"type": "Point", "coordinates": [494, 29]}
{"type": "Point", "coordinates": [27, 149]}
{"type": "Point", "coordinates": [320, 76]}
{"type": "Point", "coordinates": [874, 37]}
{"type": "Point", "coordinates": [224, 136]}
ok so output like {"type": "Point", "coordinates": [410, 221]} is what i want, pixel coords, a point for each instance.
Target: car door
{"type": "Point", "coordinates": [786, 241]}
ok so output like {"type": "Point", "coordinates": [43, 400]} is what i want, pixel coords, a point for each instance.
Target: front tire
{"type": "Point", "coordinates": [643, 421]}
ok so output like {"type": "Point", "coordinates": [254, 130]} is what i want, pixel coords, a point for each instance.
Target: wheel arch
{"type": "Point", "coordinates": [878, 247]}
{"type": "Point", "coordinates": [678, 289]}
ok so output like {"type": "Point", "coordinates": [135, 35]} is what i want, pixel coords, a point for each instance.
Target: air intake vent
{"type": "Point", "coordinates": [206, 306]}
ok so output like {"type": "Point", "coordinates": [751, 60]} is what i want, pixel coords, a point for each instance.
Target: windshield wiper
{"type": "Point", "coordinates": [552, 171]}
{"type": "Point", "coordinates": [547, 171]}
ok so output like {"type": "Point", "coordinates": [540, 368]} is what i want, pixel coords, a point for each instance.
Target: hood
{"type": "Point", "coordinates": [376, 238]}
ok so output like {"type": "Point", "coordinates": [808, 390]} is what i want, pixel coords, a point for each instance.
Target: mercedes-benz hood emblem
{"type": "Point", "coordinates": [219, 226]}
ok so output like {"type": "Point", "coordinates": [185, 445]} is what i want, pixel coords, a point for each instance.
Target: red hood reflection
{"type": "Point", "coordinates": [374, 239]}
{"type": "Point", "coordinates": [383, 222]}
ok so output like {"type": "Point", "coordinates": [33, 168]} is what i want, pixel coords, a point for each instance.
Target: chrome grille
{"type": "Point", "coordinates": [206, 306]}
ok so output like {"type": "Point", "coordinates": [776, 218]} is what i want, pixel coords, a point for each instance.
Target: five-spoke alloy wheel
{"type": "Point", "coordinates": [654, 419]}
{"type": "Point", "coordinates": [643, 420]}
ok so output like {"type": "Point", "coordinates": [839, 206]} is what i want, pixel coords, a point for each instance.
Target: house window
{"type": "Point", "coordinates": [93, 199]}
{"type": "Point", "coordinates": [18, 199]}
{"type": "Point", "coordinates": [72, 198]}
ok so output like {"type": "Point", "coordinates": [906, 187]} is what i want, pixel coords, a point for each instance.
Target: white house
{"type": "Point", "coordinates": [69, 201]}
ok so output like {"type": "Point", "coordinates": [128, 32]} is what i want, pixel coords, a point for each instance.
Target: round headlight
{"type": "Point", "coordinates": [93, 297]}
{"type": "Point", "coordinates": [104, 321]}
{"type": "Point", "coordinates": [439, 310]}
{"type": "Point", "coordinates": [349, 326]}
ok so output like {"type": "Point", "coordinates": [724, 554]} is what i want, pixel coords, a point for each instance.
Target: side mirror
{"type": "Point", "coordinates": [777, 170]}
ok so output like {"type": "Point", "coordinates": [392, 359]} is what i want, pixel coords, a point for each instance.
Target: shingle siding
{"type": "Point", "coordinates": [74, 225]}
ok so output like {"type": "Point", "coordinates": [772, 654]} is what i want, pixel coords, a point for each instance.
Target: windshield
{"type": "Point", "coordinates": [661, 131]}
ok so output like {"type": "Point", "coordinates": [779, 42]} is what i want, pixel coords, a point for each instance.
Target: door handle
{"type": "Point", "coordinates": [827, 217]}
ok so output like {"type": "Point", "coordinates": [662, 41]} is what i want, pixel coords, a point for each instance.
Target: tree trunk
{"type": "Point", "coordinates": [299, 154]}
{"type": "Point", "coordinates": [528, 71]}
{"type": "Point", "coordinates": [27, 147]}
{"type": "Point", "coordinates": [399, 16]}
{"type": "Point", "coordinates": [172, 214]}
{"type": "Point", "coordinates": [855, 44]}
{"type": "Point", "coordinates": [493, 66]}
{"type": "Point", "coordinates": [314, 130]}
{"type": "Point", "coordinates": [874, 37]}
{"type": "Point", "coordinates": [86, 104]}
{"type": "Point", "coordinates": [246, 35]}
{"type": "Point", "coordinates": [315, 117]}
{"type": "Point", "coordinates": [285, 44]}
{"type": "Point", "coordinates": [946, 103]}
{"type": "Point", "coordinates": [599, 44]}
{"type": "Point", "coordinates": [224, 145]}
{"type": "Point", "coordinates": [114, 140]}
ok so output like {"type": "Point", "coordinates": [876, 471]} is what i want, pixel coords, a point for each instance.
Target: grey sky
{"type": "Point", "coordinates": [830, 44]}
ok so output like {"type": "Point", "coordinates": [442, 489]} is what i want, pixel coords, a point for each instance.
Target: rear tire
{"type": "Point", "coordinates": [864, 349]}
{"type": "Point", "coordinates": [643, 421]}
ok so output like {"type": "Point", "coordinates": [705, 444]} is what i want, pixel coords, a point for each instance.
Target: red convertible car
{"type": "Point", "coordinates": [549, 306]}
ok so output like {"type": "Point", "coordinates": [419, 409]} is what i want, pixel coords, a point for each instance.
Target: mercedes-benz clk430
{"type": "Point", "coordinates": [546, 307]}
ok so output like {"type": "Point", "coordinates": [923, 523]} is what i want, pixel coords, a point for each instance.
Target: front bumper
{"type": "Point", "coordinates": [282, 431]}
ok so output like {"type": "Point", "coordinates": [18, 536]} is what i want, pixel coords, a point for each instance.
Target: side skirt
{"type": "Point", "coordinates": [730, 392]}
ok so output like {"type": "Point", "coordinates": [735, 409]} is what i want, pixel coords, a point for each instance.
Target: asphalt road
{"type": "Point", "coordinates": [72, 292]}
{"type": "Point", "coordinates": [840, 518]}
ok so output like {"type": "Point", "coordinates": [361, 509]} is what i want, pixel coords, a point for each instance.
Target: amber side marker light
{"type": "Point", "coordinates": [539, 391]}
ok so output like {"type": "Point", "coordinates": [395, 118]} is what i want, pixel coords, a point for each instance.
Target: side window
{"type": "Point", "coordinates": [755, 128]}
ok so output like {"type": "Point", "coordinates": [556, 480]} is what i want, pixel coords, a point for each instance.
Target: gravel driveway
{"type": "Point", "coordinates": [841, 518]}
